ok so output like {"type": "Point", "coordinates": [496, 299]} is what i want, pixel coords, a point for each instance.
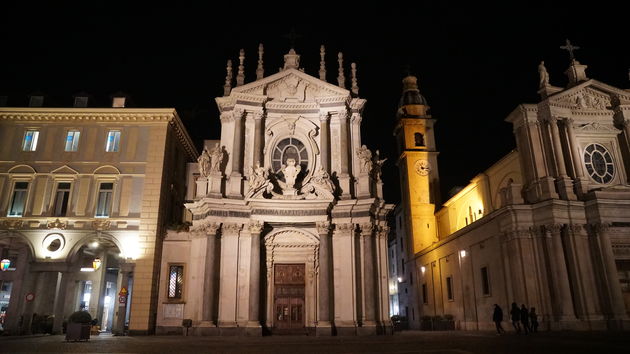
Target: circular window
{"type": "Point", "coordinates": [289, 148]}
{"type": "Point", "coordinates": [53, 243]}
{"type": "Point", "coordinates": [599, 163]}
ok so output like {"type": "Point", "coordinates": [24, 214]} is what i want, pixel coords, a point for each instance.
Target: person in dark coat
{"type": "Point", "coordinates": [515, 314]}
{"type": "Point", "coordinates": [533, 320]}
{"type": "Point", "coordinates": [497, 317]}
{"type": "Point", "coordinates": [525, 318]}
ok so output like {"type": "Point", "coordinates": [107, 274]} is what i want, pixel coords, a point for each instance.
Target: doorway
{"type": "Point", "coordinates": [289, 299]}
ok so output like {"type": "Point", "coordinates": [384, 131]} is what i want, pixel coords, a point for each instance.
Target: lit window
{"type": "Point", "coordinates": [289, 148]}
{"type": "Point", "coordinates": [104, 202]}
{"type": "Point", "coordinates": [30, 140]}
{"type": "Point", "coordinates": [61, 199]}
{"type": "Point", "coordinates": [113, 141]}
{"type": "Point", "coordinates": [18, 200]}
{"type": "Point", "coordinates": [175, 281]}
{"type": "Point", "coordinates": [72, 140]}
{"type": "Point", "coordinates": [449, 288]}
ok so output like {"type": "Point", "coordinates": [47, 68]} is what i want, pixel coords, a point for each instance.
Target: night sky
{"type": "Point", "coordinates": [475, 63]}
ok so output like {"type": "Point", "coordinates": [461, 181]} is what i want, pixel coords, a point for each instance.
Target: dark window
{"type": "Point", "coordinates": [402, 263]}
{"type": "Point", "coordinates": [61, 199]}
{"type": "Point", "coordinates": [485, 281]}
{"type": "Point", "coordinates": [425, 297]}
{"type": "Point", "coordinates": [410, 278]}
{"type": "Point", "coordinates": [401, 244]}
{"type": "Point", "coordinates": [175, 281]}
{"type": "Point", "coordinates": [18, 201]}
{"type": "Point", "coordinates": [413, 313]}
{"type": "Point", "coordinates": [449, 288]}
{"type": "Point", "coordinates": [419, 139]}
{"type": "Point", "coordinates": [104, 202]}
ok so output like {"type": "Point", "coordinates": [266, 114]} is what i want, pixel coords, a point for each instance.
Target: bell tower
{"type": "Point", "coordinates": [417, 164]}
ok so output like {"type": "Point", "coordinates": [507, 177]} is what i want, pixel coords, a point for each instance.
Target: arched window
{"type": "Point", "coordinates": [419, 138]}
{"type": "Point", "coordinates": [289, 148]}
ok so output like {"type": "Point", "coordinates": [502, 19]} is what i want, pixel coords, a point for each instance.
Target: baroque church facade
{"type": "Point", "coordinates": [548, 225]}
{"type": "Point", "coordinates": [289, 230]}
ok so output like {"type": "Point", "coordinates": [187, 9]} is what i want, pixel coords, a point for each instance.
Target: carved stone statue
{"type": "Point", "coordinates": [378, 166]}
{"type": "Point", "coordinates": [544, 76]}
{"type": "Point", "coordinates": [365, 157]}
{"type": "Point", "coordinates": [290, 172]}
{"type": "Point", "coordinates": [204, 162]}
{"type": "Point", "coordinates": [322, 179]}
{"type": "Point", "coordinates": [258, 180]}
{"type": "Point", "coordinates": [216, 155]}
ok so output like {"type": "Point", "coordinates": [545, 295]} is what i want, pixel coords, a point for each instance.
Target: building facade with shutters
{"type": "Point", "coordinates": [85, 197]}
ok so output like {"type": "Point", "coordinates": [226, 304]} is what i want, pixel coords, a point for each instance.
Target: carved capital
{"type": "Point", "coordinates": [569, 122]}
{"type": "Point", "coordinates": [323, 227]}
{"type": "Point", "coordinates": [101, 224]}
{"type": "Point", "coordinates": [212, 228]}
{"type": "Point", "coordinates": [13, 224]}
{"type": "Point", "coordinates": [383, 231]}
{"type": "Point", "coordinates": [576, 229]}
{"type": "Point", "coordinates": [518, 233]}
{"type": "Point", "coordinates": [342, 114]}
{"type": "Point", "coordinates": [258, 115]}
{"type": "Point", "coordinates": [231, 229]}
{"type": "Point", "coordinates": [238, 113]}
{"type": "Point", "coordinates": [600, 228]}
{"type": "Point", "coordinates": [256, 227]}
{"type": "Point", "coordinates": [57, 224]}
{"type": "Point", "coordinates": [554, 228]}
{"type": "Point", "coordinates": [324, 116]}
{"type": "Point", "coordinates": [344, 228]}
{"type": "Point", "coordinates": [366, 228]}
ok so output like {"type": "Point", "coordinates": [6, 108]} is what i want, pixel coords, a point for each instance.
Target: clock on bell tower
{"type": "Point", "coordinates": [417, 165]}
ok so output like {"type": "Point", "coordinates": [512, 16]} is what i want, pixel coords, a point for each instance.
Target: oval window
{"type": "Point", "coordinates": [599, 163]}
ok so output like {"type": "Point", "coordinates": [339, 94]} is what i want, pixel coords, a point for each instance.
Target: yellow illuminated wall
{"type": "Point", "coordinates": [480, 197]}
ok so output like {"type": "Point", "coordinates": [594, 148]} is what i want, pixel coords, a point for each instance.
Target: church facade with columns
{"type": "Point", "coordinates": [547, 226]}
{"type": "Point", "coordinates": [289, 231]}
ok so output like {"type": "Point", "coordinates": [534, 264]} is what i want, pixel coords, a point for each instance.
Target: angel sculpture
{"type": "Point", "coordinates": [290, 172]}
{"type": "Point", "coordinates": [258, 180]}
{"type": "Point", "coordinates": [204, 162]}
{"type": "Point", "coordinates": [365, 156]}
{"type": "Point", "coordinates": [378, 166]}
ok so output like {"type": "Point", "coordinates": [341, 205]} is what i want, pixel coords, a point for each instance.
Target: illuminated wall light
{"type": "Point", "coordinates": [400, 280]}
{"type": "Point", "coordinates": [423, 269]}
{"type": "Point", "coordinates": [94, 244]}
{"type": "Point", "coordinates": [96, 263]}
{"type": "Point", "coordinates": [462, 253]}
{"type": "Point", "coordinates": [87, 269]}
{"type": "Point", "coordinates": [4, 264]}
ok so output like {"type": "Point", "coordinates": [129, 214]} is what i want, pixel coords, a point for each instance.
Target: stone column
{"type": "Point", "coordinates": [618, 308]}
{"type": "Point", "coordinates": [324, 324]}
{"type": "Point", "coordinates": [324, 140]}
{"type": "Point", "coordinates": [345, 278]}
{"type": "Point", "coordinates": [382, 274]}
{"type": "Point", "coordinates": [126, 270]}
{"type": "Point", "coordinates": [236, 176]}
{"type": "Point", "coordinates": [367, 270]}
{"type": "Point", "coordinates": [258, 139]}
{"type": "Point", "coordinates": [565, 187]}
{"type": "Point", "coordinates": [228, 277]}
{"type": "Point", "coordinates": [581, 183]}
{"type": "Point", "coordinates": [563, 303]}
{"type": "Point", "coordinates": [208, 315]}
{"type": "Point", "coordinates": [544, 184]}
{"type": "Point", "coordinates": [581, 270]}
{"type": "Point", "coordinates": [60, 303]}
{"type": "Point", "coordinates": [253, 325]}
{"type": "Point", "coordinates": [344, 158]}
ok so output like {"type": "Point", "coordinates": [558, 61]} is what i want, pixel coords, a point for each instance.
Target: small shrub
{"type": "Point", "coordinates": [80, 317]}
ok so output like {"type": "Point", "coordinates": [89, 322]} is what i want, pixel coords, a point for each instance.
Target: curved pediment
{"type": "Point", "coordinates": [291, 237]}
{"type": "Point", "coordinates": [106, 170]}
{"type": "Point", "coordinates": [22, 169]}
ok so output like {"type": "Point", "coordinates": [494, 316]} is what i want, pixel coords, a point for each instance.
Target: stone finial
{"type": "Point", "coordinates": [260, 71]}
{"type": "Point", "coordinates": [291, 60]}
{"type": "Point", "coordinates": [228, 79]}
{"type": "Point", "coordinates": [322, 63]}
{"type": "Point", "coordinates": [240, 77]}
{"type": "Point", "coordinates": [341, 79]}
{"type": "Point", "coordinates": [576, 73]}
{"type": "Point", "coordinates": [355, 85]}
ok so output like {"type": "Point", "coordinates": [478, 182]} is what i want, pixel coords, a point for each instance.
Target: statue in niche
{"type": "Point", "coordinates": [290, 172]}
{"type": "Point", "coordinates": [544, 76]}
{"type": "Point", "coordinates": [204, 162]}
{"type": "Point", "coordinates": [378, 166]}
{"type": "Point", "coordinates": [216, 155]}
{"type": "Point", "coordinates": [365, 157]}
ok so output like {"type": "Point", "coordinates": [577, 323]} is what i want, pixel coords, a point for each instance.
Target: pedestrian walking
{"type": "Point", "coordinates": [497, 317]}
{"type": "Point", "coordinates": [533, 320]}
{"type": "Point", "coordinates": [515, 314]}
{"type": "Point", "coordinates": [525, 318]}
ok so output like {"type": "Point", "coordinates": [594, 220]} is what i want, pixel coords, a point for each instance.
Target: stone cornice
{"type": "Point", "coordinates": [103, 115]}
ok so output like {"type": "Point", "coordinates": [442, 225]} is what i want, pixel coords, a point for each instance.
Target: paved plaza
{"type": "Point", "coordinates": [400, 343]}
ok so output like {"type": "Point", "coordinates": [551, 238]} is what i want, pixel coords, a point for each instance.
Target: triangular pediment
{"type": "Point", "coordinates": [590, 95]}
{"type": "Point", "coordinates": [65, 170]}
{"type": "Point", "coordinates": [291, 85]}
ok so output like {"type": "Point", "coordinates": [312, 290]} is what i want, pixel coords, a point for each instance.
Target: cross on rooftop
{"type": "Point", "coordinates": [292, 36]}
{"type": "Point", "coordinates": [570, 48]}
